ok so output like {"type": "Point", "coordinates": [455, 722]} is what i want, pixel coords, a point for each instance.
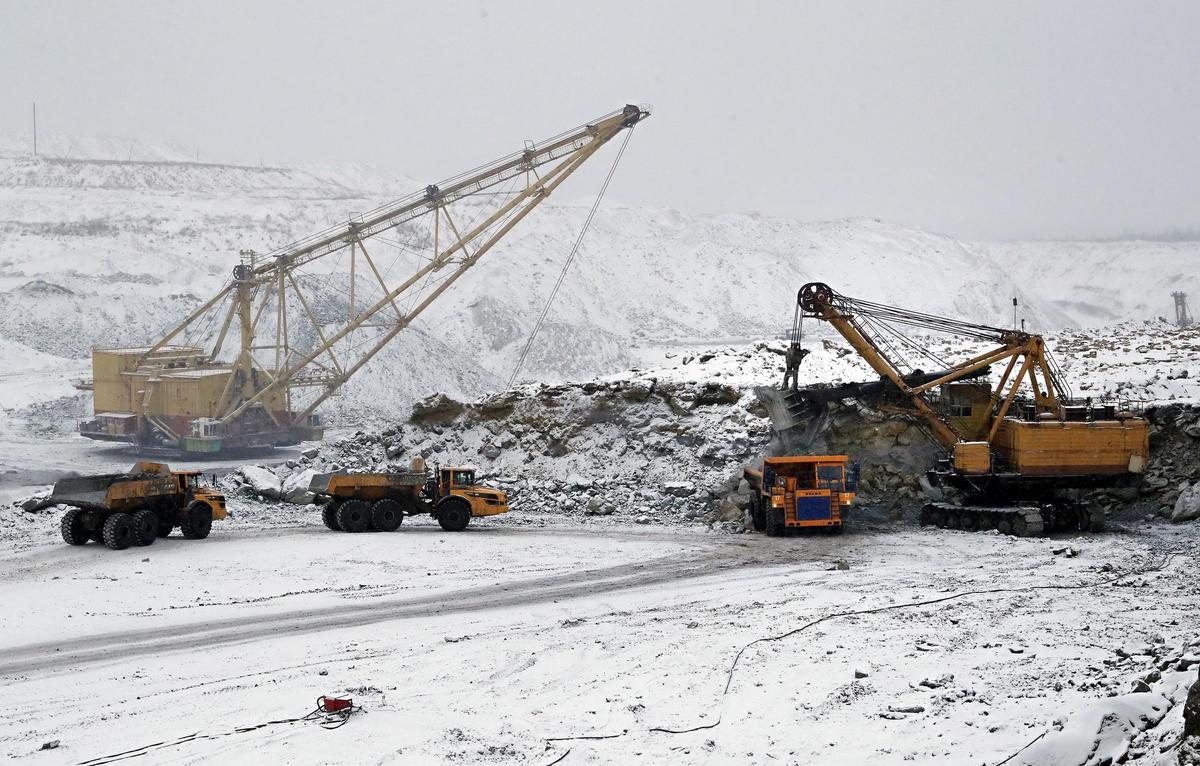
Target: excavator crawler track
{"type": "Point", "coordinates": [1029, 520]}
{"type": "Point", "coordinates": [1022, 521]}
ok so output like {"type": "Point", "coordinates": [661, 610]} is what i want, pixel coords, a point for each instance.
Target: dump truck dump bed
{"type": "Point", "coordinates": [326, 483]}
{"type": "Point", "coordinates": [111, 490]}
{"type": "Point", "coordinates": [85, 491]}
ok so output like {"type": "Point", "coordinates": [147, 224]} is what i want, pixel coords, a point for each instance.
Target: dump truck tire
{"type": "Point", "coordinates": [454, 514]}
{"type": "Point", "coordinates": [386, 515]}
{"type": "Point", "coordinates": [354, 516]}
{"type": "Point", "coordinates": [145, 527]}
{"type": "Point", "coordinates": [757, 515]}
{"type": "Point", "coordinates": [118, 531]}
{"type": "Point", "coordinates": [73, 531]}
{"type": "Point", "coordinates": [773, 523]}
{"type": "Point", "coordinates": [329, 515]}
{"type": "Point", "coordinates": [197, 521]}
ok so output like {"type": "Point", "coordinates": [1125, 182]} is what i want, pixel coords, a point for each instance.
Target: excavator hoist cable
{"type": "Point", "coordinates": [570, 259]}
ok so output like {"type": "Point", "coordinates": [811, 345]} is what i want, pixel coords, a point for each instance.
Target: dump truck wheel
{"type": "Point", "coordinates": [757, 515]}
{"type": "Point", "coordinates": [118, 531]}
{"type": "Point", "coordinates": [774, 523]}
{"type": "Point", "coordinates": [386, 515]}
{"type": "Point", "coordinates": [454, 514]}
{"type": "Point", "coordinates": [197, 521]}
{"type": "Point", "coordinates": [145, 527]}
{"type": "Point", "coordinates": [73, 531]}
{"type": "Point", "coordinates": [329, 516]}
{"type": "Point", "coordinates": [354, 516]}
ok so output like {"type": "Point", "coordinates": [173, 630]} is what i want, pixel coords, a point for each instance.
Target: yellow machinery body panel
{"type": "Point", "coordinates": [484, 501]}
{"type": "Point", "coordinates": [1054, 447]}
{"type": "Point", "coordinates": [972, 457]}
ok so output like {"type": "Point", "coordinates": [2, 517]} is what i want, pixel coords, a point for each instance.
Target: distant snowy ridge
{"type": "Point", "coordinates": [134, 245]}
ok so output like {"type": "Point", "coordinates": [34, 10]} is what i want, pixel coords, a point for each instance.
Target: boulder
{"type": "Point", "coordinates": [597, 508]}
{"type": "Point", "coordinates": [729, 510]}
{"type": "Point", "coordinates": [295, 487]}
{"type": "Point", "coordinates": [262, 481]}
{"type": "Point", "coordinates": [1187, 507]}
{"type": "Point", "coordinates": [679, 488]}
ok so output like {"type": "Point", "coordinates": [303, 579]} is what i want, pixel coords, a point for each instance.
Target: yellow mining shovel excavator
{"type": "Point", "coordinates": [1010, 451]}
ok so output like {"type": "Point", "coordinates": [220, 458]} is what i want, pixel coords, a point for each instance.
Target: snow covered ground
{"type": "Point", "coordinates": [561, 637]}
{"type": "Point", "coordinates": [516, 643]}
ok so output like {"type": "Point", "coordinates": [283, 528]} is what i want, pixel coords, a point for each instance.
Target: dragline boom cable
{"type": "Point", "coordinates": [570, 258]}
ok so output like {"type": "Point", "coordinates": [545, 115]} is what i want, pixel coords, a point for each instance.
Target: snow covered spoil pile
{"type": "Point", "coordinates": [636, 447]}
{"type": "Point", "coordinates": [664, 446]}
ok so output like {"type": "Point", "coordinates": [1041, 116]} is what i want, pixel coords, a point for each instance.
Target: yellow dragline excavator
{"type": "Point", "coordinates": [1010, 452]}
{"type": "Point", "coordinates": [250, 366]}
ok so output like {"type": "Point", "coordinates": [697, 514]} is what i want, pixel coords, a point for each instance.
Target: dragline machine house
{"type": "Point", "coordinates": [251, 365]}
{"type": "Point", "coordinates": [1009, 449]}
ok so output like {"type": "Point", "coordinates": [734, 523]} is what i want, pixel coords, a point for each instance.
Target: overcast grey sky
{"type": "Point", "coordinates": [999, 120]}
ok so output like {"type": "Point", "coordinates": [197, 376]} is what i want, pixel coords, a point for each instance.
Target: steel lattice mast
{"type": "Point", "coordinates": [272, 294]}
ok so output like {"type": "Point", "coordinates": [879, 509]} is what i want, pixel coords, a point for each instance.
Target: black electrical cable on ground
{"type": "Point", "coordinates": [1162, 564]}
{"type": "Point", "coordinates": [570, 258]}
{"type": "Point", "coordinates": [326, 719]}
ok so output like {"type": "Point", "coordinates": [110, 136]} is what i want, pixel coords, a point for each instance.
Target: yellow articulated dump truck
{"type": "Point", "coordinates": [134, 508]}
{"type": "Point", "coordinates": [361, 502]}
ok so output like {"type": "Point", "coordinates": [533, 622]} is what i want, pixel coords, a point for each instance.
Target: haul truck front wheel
{"type": "Point", "coordinates": [454, 514]}
{"type": "Point", "coordinates": [197, 521]}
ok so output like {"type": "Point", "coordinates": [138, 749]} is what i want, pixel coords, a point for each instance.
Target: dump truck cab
{"type": "Point", "coordinates": [460, 482]}
{"type": "Point", "coordinates": [192, 489]}
{"type": "Point", "coordinates": [802, 492]}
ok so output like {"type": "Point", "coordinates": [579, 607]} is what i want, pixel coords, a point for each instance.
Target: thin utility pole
{"type": "Point", "coordinates": [34, 128]}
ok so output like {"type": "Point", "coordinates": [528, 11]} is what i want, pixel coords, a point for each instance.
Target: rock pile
{"type": "Point", "coordinates": [666, 452]}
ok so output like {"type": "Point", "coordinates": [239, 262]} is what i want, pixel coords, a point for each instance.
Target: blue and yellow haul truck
{"type": "Point", "coordinates": [802, 492]}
